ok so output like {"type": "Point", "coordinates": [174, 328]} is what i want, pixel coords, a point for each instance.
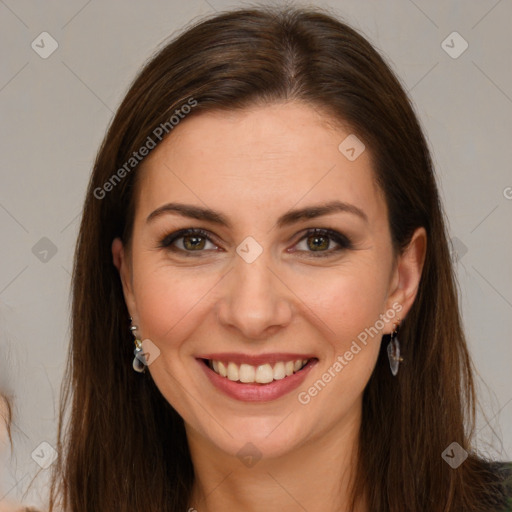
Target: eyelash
{"type": "Point", "coordinates": [343, 242]}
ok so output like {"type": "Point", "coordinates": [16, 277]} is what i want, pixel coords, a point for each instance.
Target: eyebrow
{"type": "Point", "coordinates": [287, 219]}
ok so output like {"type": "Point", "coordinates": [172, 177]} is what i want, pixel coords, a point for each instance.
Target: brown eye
{"type": "Point", "coordinates": [318, 241]}
{"type": "Point", "coordinates": [193, 242]}
{"type": "Point", "coordinates": [187, 240]}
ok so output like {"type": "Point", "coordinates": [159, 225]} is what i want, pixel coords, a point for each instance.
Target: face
{"type": "Point", "coordinates": [257, 292]}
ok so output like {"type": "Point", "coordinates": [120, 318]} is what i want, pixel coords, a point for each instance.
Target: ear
{"type": "Point", "coordinates": [406, 275]}
{"type": "Point", "coordinates": [122, 262]}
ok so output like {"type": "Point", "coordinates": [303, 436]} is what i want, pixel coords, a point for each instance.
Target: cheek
{"type": "Point", "coordinates": [346, 300]}
{"type": "Point", "coordinates": [349, 305]}
{"type": "Point", "coordinates": [168, 300]}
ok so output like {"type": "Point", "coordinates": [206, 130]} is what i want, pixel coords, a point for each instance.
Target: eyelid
{"type": "Point", "coordinates": [342, 240]}
{"type": "Point", "coordinates": [167, 240]}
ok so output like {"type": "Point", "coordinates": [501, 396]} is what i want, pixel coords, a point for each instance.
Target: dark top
{"type": "Point", "coordinates": [505, 469]}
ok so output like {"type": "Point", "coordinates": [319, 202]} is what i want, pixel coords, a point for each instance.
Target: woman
{"type": "Point", "coordinates": [281, 285]}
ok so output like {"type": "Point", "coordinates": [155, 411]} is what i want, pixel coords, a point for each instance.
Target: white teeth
{"type": "Point", "coordinates": [222, 370]}
{"type": "Point", "coordinates": [279, 372]}
{"type": "Point", "coordinates": [247, 373]}
{"type": "Point", "coordinates": [232, 371]}
{"type": "Point", "coordinates": [262, 374]}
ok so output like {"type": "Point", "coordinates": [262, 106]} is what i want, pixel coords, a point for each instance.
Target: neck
{"type": "Point", "coordinates": [316, 475]}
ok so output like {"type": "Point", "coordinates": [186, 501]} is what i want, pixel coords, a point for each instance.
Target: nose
{"type": "Point", "coordinates": [254, 299]}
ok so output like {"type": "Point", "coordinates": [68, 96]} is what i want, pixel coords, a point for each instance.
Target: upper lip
{"type": "Point", "coordinates": [255, 360]}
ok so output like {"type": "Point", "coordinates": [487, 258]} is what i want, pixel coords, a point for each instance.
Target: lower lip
{"type": "Point", "coordinates": [257, 392]}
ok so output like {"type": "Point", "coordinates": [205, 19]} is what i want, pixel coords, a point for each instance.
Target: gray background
{"type": "Point", "coordinates": [54, 115]}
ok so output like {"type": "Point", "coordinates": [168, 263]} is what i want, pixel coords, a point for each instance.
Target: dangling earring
{"type": "Point", "coordinates": [394, 349]}
{"type": "Point", "coordinates": [139, 363]}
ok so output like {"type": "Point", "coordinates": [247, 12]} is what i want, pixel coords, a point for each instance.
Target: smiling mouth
{"type": "Point", "coordinates": [260, 374]}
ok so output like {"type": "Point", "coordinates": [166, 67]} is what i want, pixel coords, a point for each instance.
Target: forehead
{"type": "Point", "coordinates": [263, 159]}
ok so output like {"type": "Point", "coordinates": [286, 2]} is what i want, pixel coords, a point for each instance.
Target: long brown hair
{"type": "Point", "coordinates": [124, 447]}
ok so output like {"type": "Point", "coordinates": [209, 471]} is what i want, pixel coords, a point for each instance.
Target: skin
{"type": "Point", "coordinates": [253, 166]}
